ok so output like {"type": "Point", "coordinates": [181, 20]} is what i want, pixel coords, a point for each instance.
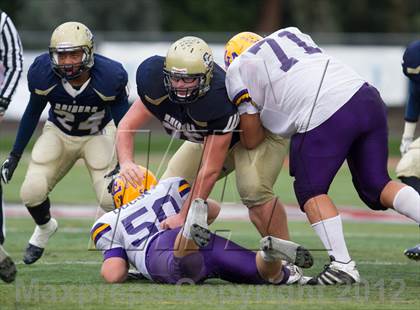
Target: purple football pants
{"type": "Point", "coordinates": [221, 258]}
{"type": "Point", "coordinates": [357, 132]}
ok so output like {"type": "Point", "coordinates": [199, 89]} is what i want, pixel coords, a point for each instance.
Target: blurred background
{"type": "Point", "coordinates": [368, 35]}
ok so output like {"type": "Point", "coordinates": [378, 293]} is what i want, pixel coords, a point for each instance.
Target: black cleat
{"type": "Point", "coordinates": [200, 235]}
{"type": "Point", "coordinates": [7, 270]}
{"type": "Point", "coordinates": [413, 253]}
{"type": "Point", "coordinates": [336, 273]}
{"type": "Point", "coordinates": [32, 254]}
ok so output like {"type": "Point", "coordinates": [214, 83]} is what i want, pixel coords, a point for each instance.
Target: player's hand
{"type": "Point", "coordinates": [173, 222]}
{"type": "Point", "coordinates": [8, 167]}
{"type": "Point", "coordinates": [131, 173]}
{"type": "Point", "coordinates": [405, 143]}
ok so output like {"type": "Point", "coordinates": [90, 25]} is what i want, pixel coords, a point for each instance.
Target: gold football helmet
{"type": "Point", "coordinates": [123, 192]}
{"type": "Point", "coordinates": [189, 59]}
{"type": "Point", "coordinates": [238, 44]}
{"type": "Point", "coordinates": [70, 37]}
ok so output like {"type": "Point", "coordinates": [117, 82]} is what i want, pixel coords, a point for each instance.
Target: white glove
{"type": "Point", "coordinates": [405, 143]}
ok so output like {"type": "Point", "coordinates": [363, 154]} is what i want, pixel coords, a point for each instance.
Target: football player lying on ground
{"type": "Point", "coordinates": [132, 235]}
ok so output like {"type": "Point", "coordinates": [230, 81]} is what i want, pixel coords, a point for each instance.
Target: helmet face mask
{"type": "Point", "coordinates": [68, 41]}
{"type": "Point", "coordinates": [188, 70]}
{"type": "Point", "coordinates": [238, 44]}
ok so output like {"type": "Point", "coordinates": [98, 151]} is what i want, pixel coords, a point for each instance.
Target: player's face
{"type": "Point", "coordinates": [184, 85]}
{"type": "Point", "coordinates": [70, 60]}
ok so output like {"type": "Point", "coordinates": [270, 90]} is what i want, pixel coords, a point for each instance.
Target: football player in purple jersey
{"type": "Point", "coordinates": [132, 235]}
{"type": "Point", "coordinates": [88, 97]}
{"type": "Point", "coordinates": [332, 115]}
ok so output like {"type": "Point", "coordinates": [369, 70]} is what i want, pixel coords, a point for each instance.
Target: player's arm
{"type": "Point", "coordinates": [114, 270]}
{"type": "Point", "coordinates": [214, 154]}
{"type": "Point", "coordinates": [120, 107]}
{"type": "Point", "coordinates": [12, 62]}
{"type": "Point", "coordinates": [26, 129]}
{"type": "Point", "coordinates": [136, 117]}
{"type": "Point", "coordinates": [252, 132]}
{"type": "Point", "coordinates": [412, 112]}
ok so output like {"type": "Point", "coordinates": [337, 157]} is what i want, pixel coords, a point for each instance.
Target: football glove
{"type": "Point", "coordinates": [9, 166]}
{"type": "Point", "coordinates": [405, 143]}
{"type": "Point", "coordinates": [112, 174]}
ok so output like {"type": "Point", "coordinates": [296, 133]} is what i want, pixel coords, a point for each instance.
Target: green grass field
{"type": "Point", "coordinates": [67, 277]}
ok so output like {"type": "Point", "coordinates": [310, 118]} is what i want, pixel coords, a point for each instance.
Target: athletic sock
{"type": "Point", "coordinates": [3, 254]}
{"type": "Point", "coordinates": [330, 231]}
{"type": "Point", "coordinates": [407, 202]}
{"type": "Point", "coordinates": [41, 213]}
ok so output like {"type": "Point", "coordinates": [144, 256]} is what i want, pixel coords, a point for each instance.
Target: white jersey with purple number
{"type": "Point", "coordinates": [279, 78]}
{"type": "Point", "coordinates": [126, 232]}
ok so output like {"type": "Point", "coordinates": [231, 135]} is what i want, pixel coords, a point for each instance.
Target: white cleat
{"type": "Point", "coordinates": [39, 240]}
{"type": "Point", "coordinates": [288, 251]}
{"type": "Point", "coordinates": [337, 273]}
{"type": "Point", "coordinates": [296, 274]}
{"type": "Point", "coordinates": [196, 222]}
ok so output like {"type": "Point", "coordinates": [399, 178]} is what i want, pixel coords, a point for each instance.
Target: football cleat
{"type": "Point", "coordinates": [196, 223]}
{"type": "Point", "coordinates": [413, 253]}
{"type": "Point", "coordinates": [288, 251]}
{"type": "Point", "coordinates": [336, 273]}
{"type": "Point", "coordinates": [38, 241]}
{"type": "Point", "coordinates": [296, 273]}
{"type": "Point", "coordinates": [7, 268]}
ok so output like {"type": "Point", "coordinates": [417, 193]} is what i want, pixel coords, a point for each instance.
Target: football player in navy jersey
{"type": "Point", "coordinates": [408, 169]}
{"type": "Point", "coordinates": [186, 91]}
{"type": "Point", "coordinates": [88, 97]}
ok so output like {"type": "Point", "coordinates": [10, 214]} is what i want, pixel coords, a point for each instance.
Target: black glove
{"type": "Point", "coordinates": [4, 103]}
{"type": "Point", "coordinates": [9, 167]}
{"type": "Point", "coordinates": [112, 174]}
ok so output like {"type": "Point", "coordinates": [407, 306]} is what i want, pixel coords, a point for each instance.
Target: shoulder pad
{"type": "Point", "coordinates": [40, 74]}
{"type": "Point", "coordinates": [149, 77]}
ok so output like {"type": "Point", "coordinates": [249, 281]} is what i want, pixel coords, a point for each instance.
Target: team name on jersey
{"type": "Point", "coordinates": [75, 108]}
{"type": "Point", "coordinates": [184, 131]}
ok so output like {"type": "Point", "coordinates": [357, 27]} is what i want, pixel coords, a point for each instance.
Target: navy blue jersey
{"type": "Point", "coordinates": [211, 114]}
{"type": "Point", "coordinates": [411, 68]}
{"type": "Point", "coordinates": [76, 112]}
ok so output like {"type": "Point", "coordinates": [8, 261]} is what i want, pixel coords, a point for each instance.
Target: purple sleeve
{"type": "Point", "coordinates": [115, 252]}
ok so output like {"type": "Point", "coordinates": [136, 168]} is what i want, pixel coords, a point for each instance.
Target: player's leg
{"type": "Point", "coordinates": [256, 172]}
{"type": "Point", "coordinates": [51, 159]}
{"type": "Point", "coordinates": [185, 162]}
{"type": "Point", "coordinates": [7, 266]}
{"type": "Point", "coordinates": [368, 164]}
{"type": "Point", "coordinates": [316, 157]}
{"type": "Point", "coordinates": [98, 152]}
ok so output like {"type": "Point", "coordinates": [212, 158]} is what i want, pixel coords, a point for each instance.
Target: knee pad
{"type": "Point", "coordinates": [34, 190]}
{"type": "Point", "coordinates": [99, 153]}
{"type": "Point", "coordinates": [252, 193]}
{"type": "Point", "coordinates": [103, 197]}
